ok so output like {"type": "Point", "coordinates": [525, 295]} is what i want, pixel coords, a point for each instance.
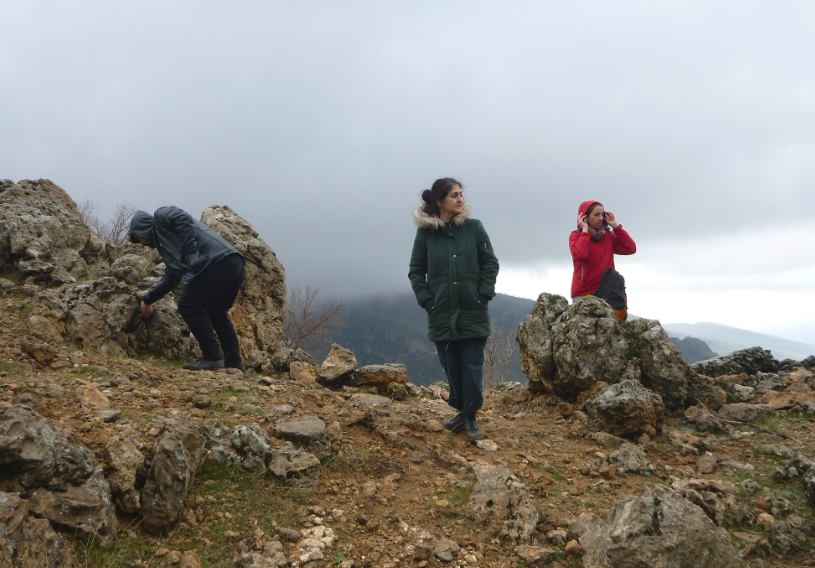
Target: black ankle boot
{"type": "Point", "coordinates": [235, 365]}
{"type": "Point", "coordinates": [473, 431]}
{"type": "Point", "coordinates": [204, 365]}
{"type": "Point", "coordinates": [456, 424]}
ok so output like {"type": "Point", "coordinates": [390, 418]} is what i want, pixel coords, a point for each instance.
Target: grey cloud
{"type": "Point", "coordinates": [322, 122]}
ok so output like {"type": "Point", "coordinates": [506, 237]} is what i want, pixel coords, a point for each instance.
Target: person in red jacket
{"type": "Point", "coordinates": [599, 236]}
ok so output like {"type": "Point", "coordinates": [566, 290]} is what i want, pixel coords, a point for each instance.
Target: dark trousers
{"type": "Point", "coordinates": [204, 305]}
{"type": "Point", "coordinates": [463, 360]}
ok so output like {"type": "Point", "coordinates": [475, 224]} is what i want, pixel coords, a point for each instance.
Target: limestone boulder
{"type": "Point", "coordinates": [260, 308]}
{"type": "Point", "coordinates": [178, 456]}
{"type": "Point", "coordinates": [381, 376]}
{"type": "Point", "coordinates": [338, 367]}
{"type": "Point", "coordinates": [589, 346]}
{"type": "Point", "coordinates": [744, 412]}
{"type": "Point", "coordinates": [303, 430]}
{"type": "Point", "coordinates": [29, 542]}
{"type": "Point", "coordinates": [500, 497]}
{"type": "Point", "coordinates": [627, 409]}
{"type": "Point", "coordinates": [42, 233]}
{"type": "Point", "coordinates": [750, 361]}
{"type": "Point", "coordinates": [125, 465]}
{"type": "Point", "coordinates": [42, 353]}
{"type": "Point", "coordinates": [131, 268]}
{"type": "Point", "coordinates": [289, 461]}
{"type": "Point", "coordinates": [629, 458]}
{"type": "Point", "coordinates": [658, 528]}
{"type": "Point", "coordinates": [535, 337]}
{"type": "Point", "coordinates": [663, 369]}
{"type": "Point", "coordinates": [58, 475]}
{"type": "Point", "coordinates": [253, 446]}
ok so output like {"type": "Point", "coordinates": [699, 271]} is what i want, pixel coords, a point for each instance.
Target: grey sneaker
{"type": "Point", "coordinates": [204, 365]}
{"type": "Point", "coordinates": [456, 424]}
{"type": "Point", "coordinates": [473, 431]}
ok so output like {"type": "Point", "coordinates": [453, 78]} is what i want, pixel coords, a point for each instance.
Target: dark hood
{"type": "Point", "coordinates": [141, 225]}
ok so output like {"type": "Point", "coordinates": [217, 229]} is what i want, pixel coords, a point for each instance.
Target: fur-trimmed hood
{"type": "Point", "coordinates": [426, 221]}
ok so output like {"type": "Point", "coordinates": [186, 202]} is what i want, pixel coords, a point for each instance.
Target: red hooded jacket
{"type": "Point", "coordinates": [591, 257]}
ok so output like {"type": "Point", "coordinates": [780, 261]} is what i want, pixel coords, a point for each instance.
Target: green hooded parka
{"type": "Point", "coordinates": [452, 271]}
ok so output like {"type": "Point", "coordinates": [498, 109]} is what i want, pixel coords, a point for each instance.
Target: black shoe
{"type": "Point", "coordinates": [456, 424]}
{"type": "Point", "coordinates": [204, 365]}
{"type": "Point", "coordinates": [473, 431]}
{"type": "Point", "coordinates": [238, 365]}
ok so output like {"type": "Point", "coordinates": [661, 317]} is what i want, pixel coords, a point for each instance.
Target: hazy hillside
{"type": "Point", "coordinates": [723, 340]}
{"type": "Point", "coordinates": [393, 329]}
{"type": "Point", "coordinates": [693, 349]}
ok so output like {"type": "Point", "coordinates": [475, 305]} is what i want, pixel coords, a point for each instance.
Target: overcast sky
{"type": "Point", "coordinates": [322, 122]}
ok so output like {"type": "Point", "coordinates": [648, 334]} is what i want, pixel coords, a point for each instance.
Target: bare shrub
{"type": "Point", "coordinates": [307, 323]}
{"type": "Point", "coordinates": [114, 230]}
{"type": "Point", "coordinates": [498, 357]}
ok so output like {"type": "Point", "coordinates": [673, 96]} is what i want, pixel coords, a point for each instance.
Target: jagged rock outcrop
{"type": "Point", "coordinates": [566, 349]}
{"type": "Point", "coordinates": [751, 361]}
{"type": "Point", "coordinates": [29, 542]}
{"type": "Point", "coordinates": [42, 234]}
{"type": "Point", "coordinates": [90, 295]}
{"type": "Point", "coordinates": [627, 409]}
{"type": "Point", "coordinates": [178, 456]}
{"type": "Point", "coordinates": [658, 528]}
{"type": "Point", "coordinates": [260, 308]}
{"type": "Point", "coordinates": [381, 376]}
{"type": "Point", "coordinates": [56, 473]}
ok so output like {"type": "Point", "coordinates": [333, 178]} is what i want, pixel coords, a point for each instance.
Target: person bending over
{"type": "Point", "coordinates": [599, 236]}
{"type": "Point", "coordinates": [212, 271]}
{"type": "Point", "coordinates": [452, 272]}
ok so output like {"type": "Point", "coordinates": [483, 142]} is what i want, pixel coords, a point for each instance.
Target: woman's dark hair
{"type": "Point", "coordinates": [437, 192]}
{"type": "Point", "coordinates": [592, 206]}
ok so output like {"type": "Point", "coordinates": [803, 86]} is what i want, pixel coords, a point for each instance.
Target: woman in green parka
{"type": "Point", "coordinates": [453, 270]}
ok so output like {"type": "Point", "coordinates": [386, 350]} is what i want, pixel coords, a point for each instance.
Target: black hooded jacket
{"type": "Point", "coordinates": [186, 246]}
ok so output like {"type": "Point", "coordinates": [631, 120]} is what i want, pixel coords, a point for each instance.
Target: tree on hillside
{"type": "Point", "coordinates": [308, 324]}
{"type": "Point", "coordinates": [498, 356]}
{"type": "Point", "coordinates": [114, 230]}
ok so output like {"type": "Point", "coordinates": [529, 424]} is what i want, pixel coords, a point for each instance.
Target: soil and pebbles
{"type": "Point", "coordinates": [385, 485]}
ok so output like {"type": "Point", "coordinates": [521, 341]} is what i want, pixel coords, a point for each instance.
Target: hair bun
{"type": "Point", "coordinates": [427, 196]}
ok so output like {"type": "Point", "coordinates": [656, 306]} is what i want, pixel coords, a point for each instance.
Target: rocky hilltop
{"type": "Point", "coordinates": [617, 453]}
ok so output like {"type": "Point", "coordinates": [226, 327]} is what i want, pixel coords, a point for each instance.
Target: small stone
{"type": "Point", "coordinates": [230, 534]}
{"type": "Point", "coordinates": [765, 520]}
{"type": "Point", "coordinates": [536, 555]}
{"type": "Point", "coordinates": [446, 549]}
{"type": "Point", "coordinates": [487, 445]}
{"type": "Point", "coordinates": [202, 401]}
{"type": "Point", "coordinates": [108, 416]}
{"type": "Point", "coordinates": [422, 551]}
{"type": "Point", "coordinates": [292, 535]}
{"type": "Point", "coordinates": [162, 552]}
{"type": "Point", "coordinates": [433, 426]}
{"type": "Point", "coordinates": [174, 557]}
{"type": "Point", "coordinates": [706, 463]}
{"type": "Point", "coordinates": [191, 559]}
{"type": "Point", "coordinates": [573, 548]}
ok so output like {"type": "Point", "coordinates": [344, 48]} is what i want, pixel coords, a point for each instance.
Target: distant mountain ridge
{"type": "Point", "coordinates": [724, 339]}
{"type": "Point", "coordinates": [393, 329]}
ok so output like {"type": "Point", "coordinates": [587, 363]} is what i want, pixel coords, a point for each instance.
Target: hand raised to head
{"type": "Point", "coordinates": [612, 220]}
{"type": "Point", "coordinates": [581, 223]}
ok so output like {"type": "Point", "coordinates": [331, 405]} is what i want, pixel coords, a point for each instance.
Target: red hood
{"type": "Point", "coordinates": [585, 206]}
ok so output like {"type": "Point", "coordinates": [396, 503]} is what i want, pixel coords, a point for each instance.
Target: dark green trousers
{"type": "Point", "coordinates": [463, 360]}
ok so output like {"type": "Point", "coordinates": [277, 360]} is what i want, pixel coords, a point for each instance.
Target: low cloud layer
{"type": "Point", "coordinates": [322, 122]}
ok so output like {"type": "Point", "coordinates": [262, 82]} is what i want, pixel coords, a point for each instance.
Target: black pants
{"type": "Point", "coordinates": [463, 360]}
{"type": "Point", "coordinates": [204, 305]}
